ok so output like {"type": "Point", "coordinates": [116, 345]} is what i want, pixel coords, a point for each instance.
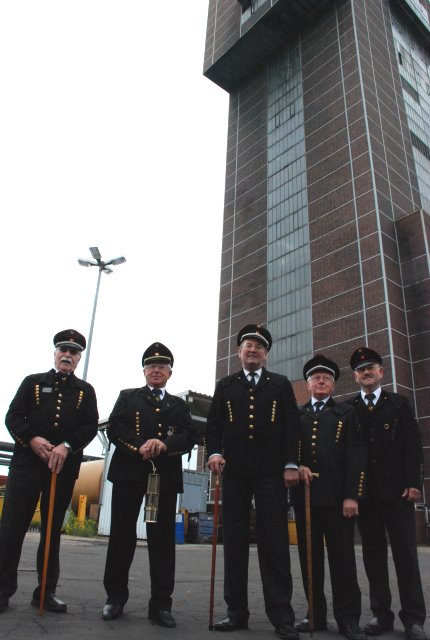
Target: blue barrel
{"type": "Point", "coordinates": [179, 529]}
{"type": "Point", "coordinates": [200, 527]}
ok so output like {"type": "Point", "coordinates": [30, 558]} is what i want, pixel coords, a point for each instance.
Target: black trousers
{"type": "Point", "coordinates": [23, 489]}
{"type": "Point", "coordinates": [272, 544]}
{"type": "Point", "coordinates": [397, 517]}
{"type": "Point", "coordinates": [127, 498]}
{"type": "Point", "coordinates": [328, 523]}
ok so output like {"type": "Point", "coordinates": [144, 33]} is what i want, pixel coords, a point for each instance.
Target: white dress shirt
{"type": "Point", "coordinates": [162, 389]}
{"type": "Point", "coordinates": [377, 393]}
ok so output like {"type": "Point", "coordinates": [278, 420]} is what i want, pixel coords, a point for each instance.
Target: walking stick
{"type": "Point", "coordinates": [214, 541]}
{"type": "Point", "coordinates": [47, 541]}
{"type": "Point", "coordinates": [309, 554]}
{"type": "Point", "coordinates": [309, 557]}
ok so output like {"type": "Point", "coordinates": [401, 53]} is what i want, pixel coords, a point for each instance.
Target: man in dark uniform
{"type": "Point", "coordinates": [332, 462]}
{"type": "Point", "coordinates": [394, 484]}
{"type": "Point", "coordinates": [146, 423]}
{"type": "Point", "coordinates": [252, 437]}
{"type": "Point", "coordinates": [52, 417]}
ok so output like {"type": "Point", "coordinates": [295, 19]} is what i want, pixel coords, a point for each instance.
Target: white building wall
{"type": "Point", "coordinates": [194, 497]}
{"type": "Point", "coordinates": [105, 504]}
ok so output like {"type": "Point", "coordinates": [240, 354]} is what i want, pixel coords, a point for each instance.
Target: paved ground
{"type": "Point", "coordinates": [81, 587]}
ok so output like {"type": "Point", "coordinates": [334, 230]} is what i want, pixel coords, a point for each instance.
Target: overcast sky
{"type": "Point", "coordinates": [110, 136]}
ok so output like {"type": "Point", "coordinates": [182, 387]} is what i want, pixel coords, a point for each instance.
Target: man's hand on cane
{"type": "Point", "coordinates": [305, 474]}
{"type": "Point", "coordinates": [41, 447]}
{"type": "Point", "coordinates": [216, 464]}
{"type": "Point", "coordinates": [57, 458]}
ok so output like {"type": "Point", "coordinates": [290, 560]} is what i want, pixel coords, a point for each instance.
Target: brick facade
{"type": "Point", "coordinates": [368, 230]}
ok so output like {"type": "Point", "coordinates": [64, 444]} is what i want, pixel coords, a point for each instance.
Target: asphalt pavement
{"type": "Point", "coordinates": [82, 566]}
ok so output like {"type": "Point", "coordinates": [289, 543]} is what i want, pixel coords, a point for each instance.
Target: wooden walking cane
{"type": "Point", "coordinates": [47, 541]}
{"type": "Point", "coordinates": [309, 554]}
{"type": "Point", "coordinates": [214, 542]}
{"type": "Point", "coordinates": [309, 557]}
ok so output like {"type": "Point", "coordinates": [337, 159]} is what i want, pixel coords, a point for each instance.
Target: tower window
{"type": "Point", "coordinates": [245, 4]}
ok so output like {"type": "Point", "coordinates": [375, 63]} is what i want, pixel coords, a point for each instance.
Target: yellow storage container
{"type": "Point", "coordinates": [292, 531]}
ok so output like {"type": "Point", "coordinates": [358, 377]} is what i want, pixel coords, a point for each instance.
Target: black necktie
{"type": "Point", "coordinates": [318, 406]}
{"type": "Point", "coordinates": [157, 394]}
{"type": "Point", "coordinates": [252, 378]}
{"type": "Point", "coordinates": [370, 398]}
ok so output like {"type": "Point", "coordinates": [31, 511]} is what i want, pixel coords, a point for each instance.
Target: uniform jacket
{"type": "Point", "coordinates": [137, 417]}
{"type": "Point", "coordinates": [332, 447]}
{"type": "Point", "coordinates": [254, 429]}
{"type": "Point", "coordinates": [57, 407]}
{"type": "Point", "coordinates": [393, 441]}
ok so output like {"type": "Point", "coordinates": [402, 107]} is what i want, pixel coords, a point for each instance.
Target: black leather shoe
{"type": "Point", "coordinates": [415, 632]}
{"type": "Point", "coordinates": [51, 603]}
{"type": "Point", "coordinates": [305, 627]}
{"type": "Point", "coordinates": [4, 603]}
{"type": "Point", "coordinates": [162, 617]}
{"type": "Point", "coordinates": [352, 631]}
{"type": "Point", "coordinates": [112, 611]}
{"type": "Point", "coordinates": [230, 624]}
{"type": "Point", "coordinates": [378, 626]}
{"type": "Point", "coordinates": [286, 631]}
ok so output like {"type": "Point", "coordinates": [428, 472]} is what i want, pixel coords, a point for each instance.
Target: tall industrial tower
{"type": "Point", "coordinates": [326, 221]}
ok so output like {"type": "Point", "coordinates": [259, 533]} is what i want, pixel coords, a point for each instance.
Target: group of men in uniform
{"type": "Point", "coordinates": [52, 417]}
{"type": "Point", "coordinates": [359, 460]}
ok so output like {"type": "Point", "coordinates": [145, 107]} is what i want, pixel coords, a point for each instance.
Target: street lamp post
{"type": "Point", "coordinates": [103, 267]}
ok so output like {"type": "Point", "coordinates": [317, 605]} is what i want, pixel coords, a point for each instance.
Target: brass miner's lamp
{"type": "Point", "coordinates": [152, 495]}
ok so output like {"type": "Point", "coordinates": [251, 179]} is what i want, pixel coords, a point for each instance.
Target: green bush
{"type": "Point", "coordinates": [74, 528]}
